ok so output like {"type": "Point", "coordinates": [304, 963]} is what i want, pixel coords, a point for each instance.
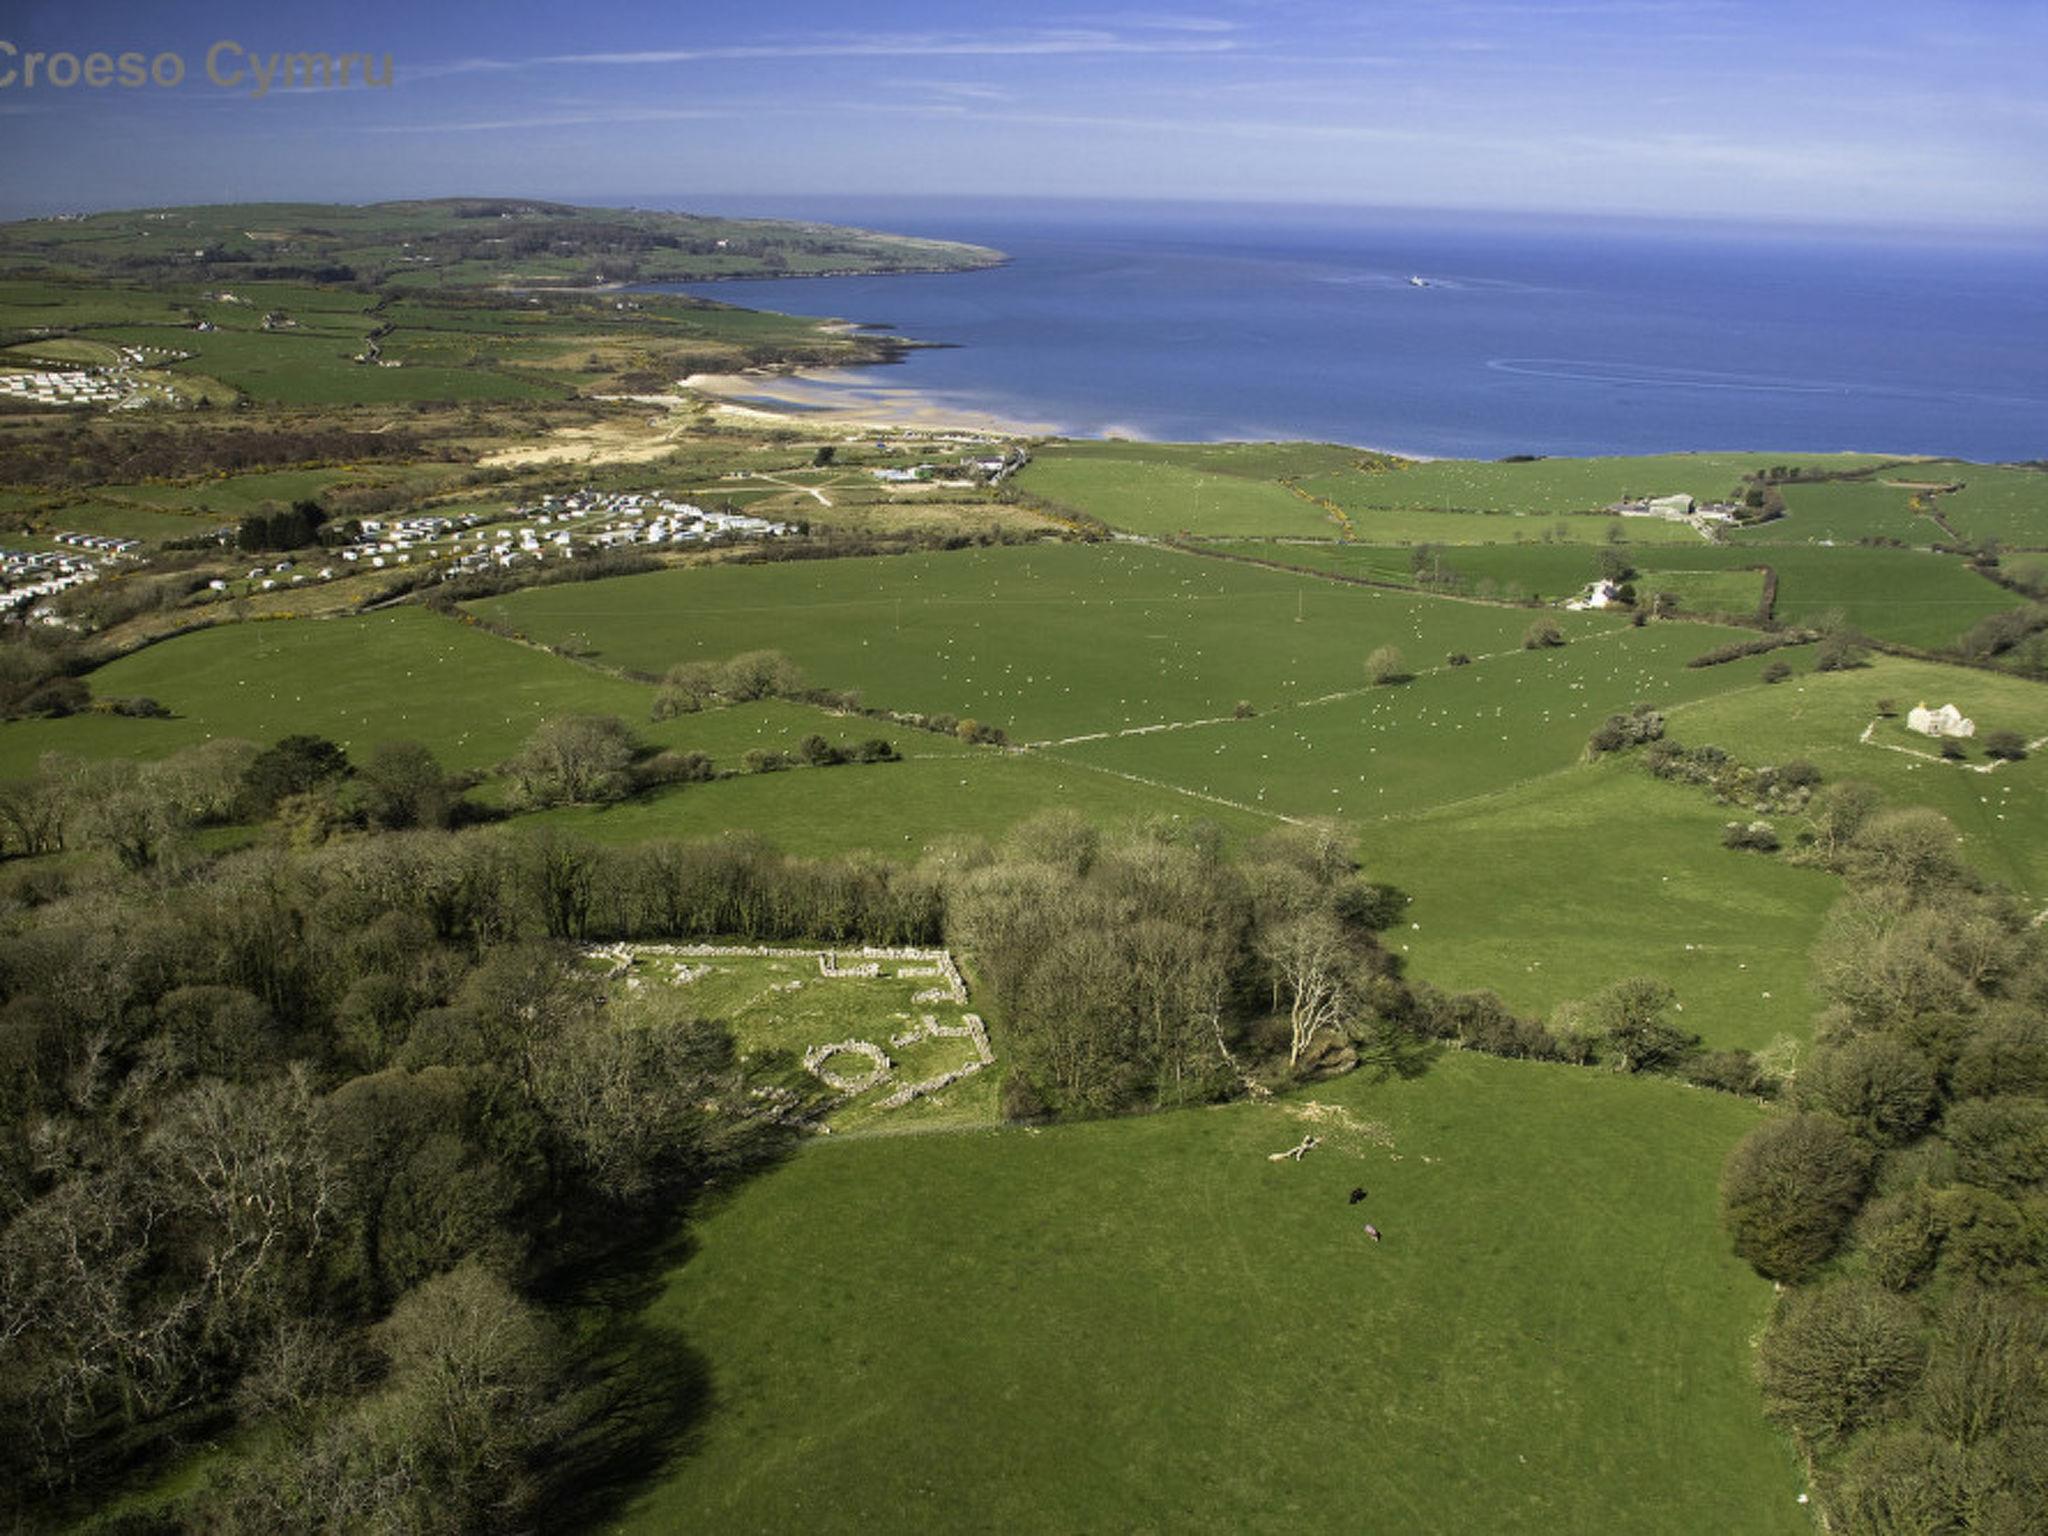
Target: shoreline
{"type": "Point", "coordinates": [793, 397]}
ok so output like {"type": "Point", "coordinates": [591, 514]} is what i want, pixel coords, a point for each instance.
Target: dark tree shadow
{"type": "Point", "coordinates": [649, 1391]}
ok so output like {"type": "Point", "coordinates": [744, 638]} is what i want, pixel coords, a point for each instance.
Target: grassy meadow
{"type": "Point", "coordinates": [1911, 596]}
{"type": "Point", "coordinates": [1552, 889]}
{"type": "Point", "coordinates": [1451, 734]}
{"type": "Point", "coordinates": [1046, 642]}
{"type": "Point", "coordinates": [1559, 486]}
{"type": "Point", "coordinates": [403, 674]}
{"type": "Point", "coordinates": [941, 791]}
{"type": "Point", "coordinates": [2001, 812]}
{"type": "Point", "coordinates": [2006, 502]}
{"type": "Point", "coordinates": [1146, 1325]}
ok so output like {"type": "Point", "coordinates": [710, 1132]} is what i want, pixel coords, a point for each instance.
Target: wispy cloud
{"type": "Point", "coordinates": [594, 117]}
{"type": "Point", "coordinates": [955, 90]}
{"type": "Point", "coordinates": [1054, 42]}
{"type": "Point", "coordinates": [1164, 21]}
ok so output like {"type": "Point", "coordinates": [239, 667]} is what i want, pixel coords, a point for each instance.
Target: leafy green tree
{"type": "Point", "coordinates": [1901, 1482]}
{"type": "Point", "coordinates": [405, 786]}
{"type": "Point", "coordinates": [1913, 847]}
{"type": "Point", "coordinates": [1631, 1019]}
{"type": "Point", "coordinates": [293, 528]}
{"type": "Point", "coordinates": [2001, 1143]}
{"type": "Point", "coordinates": [1841, 647]}
{"type": "Point", "coordinates": [1789, 1190]}
{"type": "Point", "coordinates": [816, 751]}
{"type": "Point", "coordinates": [1985, 1237]}
{"type": "Point", "coordinates": [1613, 565]}
{"type": "Point", "coordinates": [1836, 1355]}
{"type": "Point", "coordinates": [2006, 1053]}
{"type": "Point", "coordinates": [575, 760]}
{"type": "Point", "coordinates": [1900, 1237]}
{"type": "Point", "coordinates": [1988, 1366]}
{"type": "Point", "coordinates": [1879, 1087]}
{"type": "Point", "coordinates": [1386, 665]}
{"type": "Point", "coordinates": [689, 687]}
{"type": "Point", "coordinates": [760, 675]}
{"type": "Point", "coordinates": [294, 765]}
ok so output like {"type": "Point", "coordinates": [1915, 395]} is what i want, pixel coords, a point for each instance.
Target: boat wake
{"type": "Point", "coordinates": [1652, 376]}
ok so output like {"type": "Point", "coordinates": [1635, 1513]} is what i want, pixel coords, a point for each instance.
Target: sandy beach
{"type": "Point", "coordinates": [830, 397]}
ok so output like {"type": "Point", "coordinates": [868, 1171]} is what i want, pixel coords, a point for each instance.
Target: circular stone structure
{"type": "Point", "coordinates": [817, 1056]}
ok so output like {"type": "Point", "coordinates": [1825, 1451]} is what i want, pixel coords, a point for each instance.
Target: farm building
{"type": "Point", "coordinates": [1945, 721]}
{"type": "Point", "coordinates": [1600, 594]}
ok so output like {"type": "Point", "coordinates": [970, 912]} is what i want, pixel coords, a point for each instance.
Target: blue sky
{"type": "Point", "coordinates": [1879, 111]}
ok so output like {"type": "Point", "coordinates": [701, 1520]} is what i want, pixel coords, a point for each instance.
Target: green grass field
{"type": "Point", "coordinates": [1910, 596]}
{"type": "Point", "coordinates": [1552, 889]}
{"type": "Point", "coordinates": [314, 368]}
{"type": "Point", "coordinates": [1426, 525]}
{"type": "Point", "coordinates": [1252, 461]}
{"type": "Point", "coordinates": [1167, 499]}
{"type": "Point", "coordinates": [409, 675]}
{"type": "Point", "coordinates": [2002, 815]}
{"type": "Point", "coordinates": [126, 522]}
{"type": "Point", "coordinates": [1046, 642]}
{"type": "Point", "coordinates": [1560, 485]}
{"type": "Point", "coordinates": [1551, 572]}
{"type": "Point", "coordinates": [1735, 594]}
{"type": "Point", "coordinates": [900, 810]}
{"type": "Point", "coordinates": [2006, 502]}
{"type": "Point", "coordinates": [1146, 1325]}
{"type": "Point", "coordinates": [1844, 511]}
{"type": "Point", "coordinates": [1236, 490]}
{"type": "Point", "coordinates": [1451, 734]}
{"type": "Point", "coordinates": [234, 495]}
{"type": "Point", "coordinates": [405, 674]}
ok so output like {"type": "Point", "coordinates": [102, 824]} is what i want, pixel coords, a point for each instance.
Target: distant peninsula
{"type": "Point", "coordinates": [458, 242]}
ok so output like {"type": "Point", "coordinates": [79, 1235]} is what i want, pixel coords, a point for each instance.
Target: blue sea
{"type": "Point", "coordinates": [1520, 336]}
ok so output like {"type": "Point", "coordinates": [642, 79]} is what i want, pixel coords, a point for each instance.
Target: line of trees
{"type": "Point", "coordinates": [1903, 1196]}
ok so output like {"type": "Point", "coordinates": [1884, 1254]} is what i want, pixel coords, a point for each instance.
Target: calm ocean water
{"type": "Point", "coordinates": [1521, 339]}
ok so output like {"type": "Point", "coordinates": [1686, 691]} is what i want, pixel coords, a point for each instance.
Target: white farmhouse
{"type": "Point", "coordinates": [1945, 721]}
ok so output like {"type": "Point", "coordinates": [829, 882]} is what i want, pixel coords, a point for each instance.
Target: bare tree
{"type": "Point", "coordinates": [1309, 962]}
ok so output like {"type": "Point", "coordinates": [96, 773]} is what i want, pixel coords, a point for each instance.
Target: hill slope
{"type": "Point", "coordinates": [460, 240]}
